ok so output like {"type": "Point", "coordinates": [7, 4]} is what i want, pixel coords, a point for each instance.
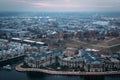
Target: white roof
{"type": "Point", "coordinates": [40, 42]}
{"type": "Point", "coordinates": [88, 49]}
{"type": "Point", "coordinates": [101, 22]}
{"type": "Point", "coordinates": [68, 58]}
{"type": "Point", "coordinates": [29, 41]}
{"type": "Point", "coordinates": [16, 38]}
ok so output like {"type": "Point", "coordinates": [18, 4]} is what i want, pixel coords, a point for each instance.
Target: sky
{"type": "Point", "coordinates": [59, 5]}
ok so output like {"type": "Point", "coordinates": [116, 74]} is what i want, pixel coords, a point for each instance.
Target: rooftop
{"type": "Point", "coordinates": [45, 54]}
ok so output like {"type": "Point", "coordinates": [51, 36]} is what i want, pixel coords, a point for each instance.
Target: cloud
{"type": "Point", "coordinates": [69, 5]}
{"type": "Point", "coordinates": [56, 5]}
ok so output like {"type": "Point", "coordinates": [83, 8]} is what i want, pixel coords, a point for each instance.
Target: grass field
{"type": "Point", "coordinates": [112, 45]}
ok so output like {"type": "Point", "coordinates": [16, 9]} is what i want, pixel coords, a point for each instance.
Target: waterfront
{"type": "Point", "coordinates": [53, 72]}
{"type": "Point", "coordinates": [14, 75]}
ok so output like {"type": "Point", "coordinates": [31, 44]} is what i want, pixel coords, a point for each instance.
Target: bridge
{"type": "Point", "coordinates": [12, 58]}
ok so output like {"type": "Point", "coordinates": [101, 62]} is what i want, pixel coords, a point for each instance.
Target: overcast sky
{"type": "Point", "coordinates": [59, 5]}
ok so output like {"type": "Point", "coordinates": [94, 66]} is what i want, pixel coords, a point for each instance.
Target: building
{"type": "Point", "coordinates": [43, 59]}
{"type": "Point", "coordinates": [71, 51]}
{"type": "Point", "coordinates": [85, 60]}
{"type": "Point", "coordinates": [11, 49]}
{"type": "Point", "coordinates": [92, 63]}
{"type": "Point", "coordinates": [112, 64]}
{"type": "Point", "coordinates": [71, 62]}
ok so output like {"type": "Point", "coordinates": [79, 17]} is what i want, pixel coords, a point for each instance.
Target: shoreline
{"type": "Point", "coordinates": [20, 69]}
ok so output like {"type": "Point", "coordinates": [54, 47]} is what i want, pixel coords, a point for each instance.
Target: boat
{"type": "Point", "coordinates": [7, 67]}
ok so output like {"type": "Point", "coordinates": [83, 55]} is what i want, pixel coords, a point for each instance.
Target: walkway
{"type": "Point", "coordinates": [19, 68]}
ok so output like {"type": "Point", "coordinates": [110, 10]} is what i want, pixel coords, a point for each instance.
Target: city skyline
{"type": "Point", "coordinates": [58, 6]}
